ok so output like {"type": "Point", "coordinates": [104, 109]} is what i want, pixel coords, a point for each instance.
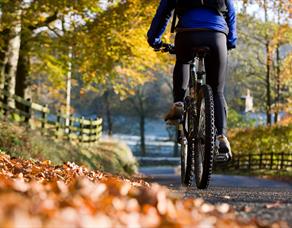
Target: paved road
{"type": "Point", "coordinates": [267, 200]}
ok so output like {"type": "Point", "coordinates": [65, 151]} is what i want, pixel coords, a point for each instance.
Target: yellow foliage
{"type": "Point", "coordinates": [286, 73]}
{"type": "Point", "coordinates": [118, 47]}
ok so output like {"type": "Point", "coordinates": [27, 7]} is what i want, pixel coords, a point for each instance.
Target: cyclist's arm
{"type": "Point", "coordinates": [159, 22]}
{"type": "Point", "coordinates": [231, 22]}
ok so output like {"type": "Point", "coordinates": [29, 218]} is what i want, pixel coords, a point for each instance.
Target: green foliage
{"type": "Point", "coordinates": [258, 42]}
{"type": "Point", "coordinates": [109, 156]}
{"type": "Point", "coordinates": [275, 139]}
{"type": "Point", "coordinates": [237, 120]}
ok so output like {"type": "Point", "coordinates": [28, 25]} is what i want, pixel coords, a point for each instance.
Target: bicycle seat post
{"type": "Point", "coordinates": [200, 53]}
{"type": "Point", "coordinates": [200, 70]}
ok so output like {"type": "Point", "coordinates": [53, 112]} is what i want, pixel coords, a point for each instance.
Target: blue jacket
{"type": "Point", "coordinates": [195, 18]}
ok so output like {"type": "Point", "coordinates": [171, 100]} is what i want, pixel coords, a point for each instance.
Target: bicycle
{"type": "Point", "coordinates": [196, 129]}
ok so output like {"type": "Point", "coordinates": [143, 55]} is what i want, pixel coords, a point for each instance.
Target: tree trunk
{"type": "Point", "coordinates": [142, 134]}
{"type": "Point", "coordinates": [108, 112]}
{"type": "Point", "coordinates": [244, 8]}
{"type": "Point", "coordinates": [278, 61]}
{"type": "Point", "coordinates": [22, 87]}
{"type": "Point", "coordinates": [268, 85]}
{"type": "Point", "coordinates": [22, 74]}
{"type": "Point", "coordinates": [3, 57]}
{"type": "Point", "coordinates": [268, 70]}
{"type": "Point", "coordinates": [142, 123]}
{"type": "Point", "coordinates": [12, 58]}
{"type": "Point", "coordinates": [69, 87]}
{"type": "Point", "coordinates": [278, 85]}
{"type": "Point", "coordinates": [23, 82]}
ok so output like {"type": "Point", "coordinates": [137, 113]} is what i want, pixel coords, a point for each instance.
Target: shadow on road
{"type": "Point", "coordinates": [251, 197]}
{"type": "Point", "coordinates": [167, 176]}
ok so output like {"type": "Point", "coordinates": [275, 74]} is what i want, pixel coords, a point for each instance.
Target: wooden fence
{"type": "Point", "coordinates": [276, 162]}
{"type": "Point", "coordinates": [60, 126]}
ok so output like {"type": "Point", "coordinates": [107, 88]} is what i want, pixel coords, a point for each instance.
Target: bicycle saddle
{"type": "Point", "coordinates": [201, 51]}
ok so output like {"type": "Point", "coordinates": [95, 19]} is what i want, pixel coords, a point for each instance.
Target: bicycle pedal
{"type": "Point", "coordinates": [221, 158]}
{"type": "Point", "coordinates": [182, 141]}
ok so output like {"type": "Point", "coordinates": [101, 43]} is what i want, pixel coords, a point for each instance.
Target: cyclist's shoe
{"type": "Point", "coordinates": [224, 150]}
{"type": "Point", "coordinates": [175, 114]}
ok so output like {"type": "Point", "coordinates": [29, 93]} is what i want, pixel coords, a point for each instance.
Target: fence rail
{"type": "Point", "coordinates": [58, 125]}
{"type": "Point", "coordinates": [281, 162]}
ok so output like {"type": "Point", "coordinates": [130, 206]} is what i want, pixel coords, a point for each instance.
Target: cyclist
{"type": "Point", "coordinates": [199, 26]}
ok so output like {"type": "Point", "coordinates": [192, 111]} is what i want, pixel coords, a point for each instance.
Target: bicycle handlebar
{"type": "Point", "coordinates": [170, 48]}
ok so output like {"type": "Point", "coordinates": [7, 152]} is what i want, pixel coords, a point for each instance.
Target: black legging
{"type": "Point", "coordinates": [215, 63]}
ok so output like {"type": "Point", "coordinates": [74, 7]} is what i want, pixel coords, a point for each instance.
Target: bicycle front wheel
{"type": "Point", "coordinates": [205, 140]}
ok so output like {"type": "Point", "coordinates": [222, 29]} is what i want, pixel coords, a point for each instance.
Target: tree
{"type": "Point", "coordinates": [274, 39]}
{"type": "Point", "coordinates": [12, 13]}
{"type": "Point", "coordinates": [36, 19]}
{"type": "Point", "coordinates": [257, 55]}
{"type": "Point", "coordinates": [283, 36]}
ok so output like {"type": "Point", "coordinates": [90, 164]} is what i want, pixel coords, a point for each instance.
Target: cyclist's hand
{"type": "Point", "coordinates": [155, 44]}
{"type": "Point", "coordinates": [230, 46]}
{"type": "Point", "coordinates": [168, 48]}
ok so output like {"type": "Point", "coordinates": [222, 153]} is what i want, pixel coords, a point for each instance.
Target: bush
{"type": "Point", "coordinates": [275, 139]}
{"type": "Point", "coordinates": [236, 120]}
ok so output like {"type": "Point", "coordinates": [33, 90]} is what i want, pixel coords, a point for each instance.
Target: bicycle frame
{"type": "Point", "coordinates": [197, 75]}
{"type": "Point", "coordinates": [197, 79]}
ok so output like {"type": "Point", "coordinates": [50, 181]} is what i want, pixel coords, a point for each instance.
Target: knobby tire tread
{"type": "Point", "coordinates": [210, 131]}
{"type": "Point", "coordinates": [187, 179]}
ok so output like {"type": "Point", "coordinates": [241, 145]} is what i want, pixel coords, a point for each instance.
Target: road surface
{"type": "Point", "coordinates": [252, 197]}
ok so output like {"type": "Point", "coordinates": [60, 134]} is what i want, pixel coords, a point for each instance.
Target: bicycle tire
{"type": "Point", "coordinates": [188, 149]}
{"type": "Point", "coordinates": [183, 161]}
{"type": "Point", "coordinates": [205, 140]}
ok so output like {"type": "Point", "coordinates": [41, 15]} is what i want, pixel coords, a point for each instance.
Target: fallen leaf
{"type": "Point", "coordinates": [274, 205]}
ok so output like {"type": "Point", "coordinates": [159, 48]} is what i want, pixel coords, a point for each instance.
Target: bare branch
{"type": "Point", "coordinates": [44, 23]}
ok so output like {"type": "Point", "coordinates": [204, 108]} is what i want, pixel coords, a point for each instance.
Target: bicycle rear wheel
{"type": "Point", "coordinates": [205, 140]}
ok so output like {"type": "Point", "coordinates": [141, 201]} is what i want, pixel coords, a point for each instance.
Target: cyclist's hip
{"type": "Point", "coordinates": [186, 41]}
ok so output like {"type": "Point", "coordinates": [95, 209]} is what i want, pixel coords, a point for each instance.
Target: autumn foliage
{"type": "Point", "coordinates": [39, 194]}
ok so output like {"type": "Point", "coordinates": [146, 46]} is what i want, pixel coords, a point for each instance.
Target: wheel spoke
{"type": "Point", "coordinates": [201, 131]}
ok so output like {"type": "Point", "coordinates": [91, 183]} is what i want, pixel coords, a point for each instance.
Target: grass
{"type": "Point", "coordinates": [107, 155]}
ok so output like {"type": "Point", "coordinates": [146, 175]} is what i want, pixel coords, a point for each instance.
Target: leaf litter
{"type": "Point", "coordinates": [39, 194]}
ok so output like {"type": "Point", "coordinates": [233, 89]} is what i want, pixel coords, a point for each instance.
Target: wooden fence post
{"type": "Point", "coordinates": [282, 161]}
{"type": "Point", "coordinates": [71, 124]}
{"type": "Point", "coordinates": [81, 129]}
{"type": "Point", "coordinates": [271, 161]}
{"type": "Point", "coordinates": [5, 103]}
{"type": "Point", "coordinates": [238, 162]}
{"type": "Point", "coordinates": [91, 140]}
{"type": "Point", "coordinates": [261, 160]}
{"type": "Point", "coordinates": [97, 129]}
{"type": "Point", "coordinates": [44, 118]}
{"type": "Point", "coordinates": [249, 161]}
{"type": "Point", "coordinates": [58, 124]}
{"type": "Point", "coordinates": [28, 111]}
